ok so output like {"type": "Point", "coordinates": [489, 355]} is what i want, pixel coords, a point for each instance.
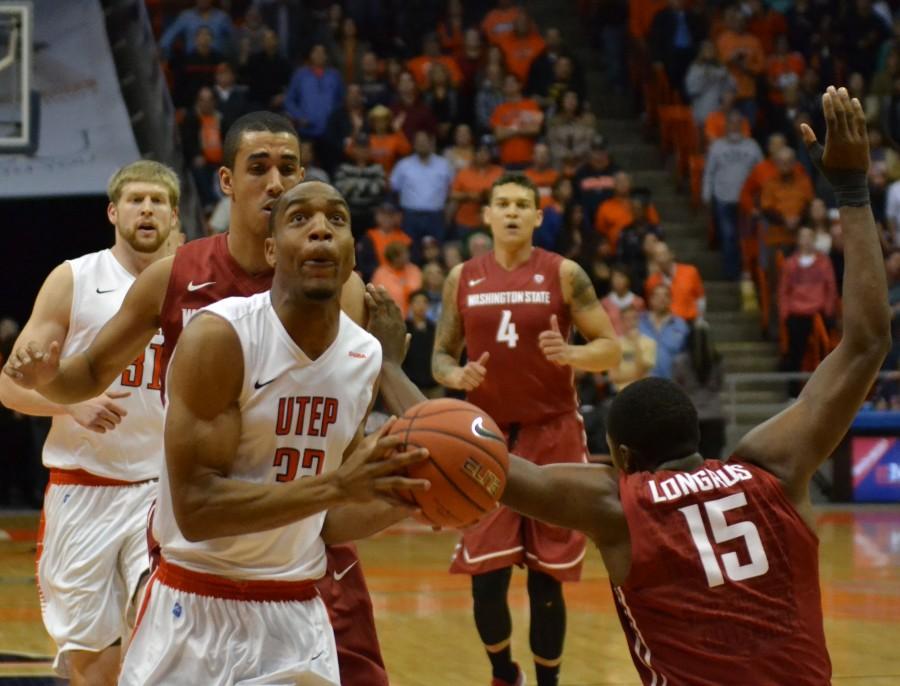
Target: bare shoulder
{"type": "Point", "coordinates": [149, 290]}
{"type": "Point", "coordinates": [207, 370]}
{"type": "Point", "coordinates": [578, 290]}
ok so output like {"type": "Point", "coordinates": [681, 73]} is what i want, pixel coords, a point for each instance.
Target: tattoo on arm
{"type": "Point", "coordinates": [583, 294]}
{"type": "Point", "coordinates": [448, 339]}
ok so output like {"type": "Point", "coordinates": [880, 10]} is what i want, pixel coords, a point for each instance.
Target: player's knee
{"type": "Point", "coordinates": [492, 586]}
{"type": "Point", "coordinates": [543, 589]}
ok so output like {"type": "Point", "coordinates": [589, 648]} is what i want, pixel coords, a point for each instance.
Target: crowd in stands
{"type": "Point", "coordinates": [412, 110]}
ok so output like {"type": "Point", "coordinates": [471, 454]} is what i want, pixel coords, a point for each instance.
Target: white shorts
{"type": "Point", "coordinates": [186, 636]}
{"type": "Point", "coordinates": [92, 553]}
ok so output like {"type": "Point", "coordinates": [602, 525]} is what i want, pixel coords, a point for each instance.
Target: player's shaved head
{"type": "Point", "coordinates": [656, 421]}
{"type": "Point", "coordinates": [301, 193]}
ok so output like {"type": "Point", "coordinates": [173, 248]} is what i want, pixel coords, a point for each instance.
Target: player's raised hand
{"type": "Point", "coordinates": [472, 375]}
{"type": "Point", "coordinates": [846, 140]}
{"type": "Point", "coordinates": [386, 324]}
{"type": "Point", "coordinates": [376, 468]}
{"type": "Point", "coordinates": [552, 344]}
{"type": "Point", "coordinates": [31, 367]}
{"type": "Point", "coordinates": [100, 414]}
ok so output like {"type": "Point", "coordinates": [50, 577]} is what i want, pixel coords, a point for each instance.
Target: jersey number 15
{"type": "Point", "coordinates": [722, 532]}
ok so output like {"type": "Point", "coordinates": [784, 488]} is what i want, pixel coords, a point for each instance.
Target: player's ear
{"type": "Point", "coordinates": [270, 251]}
{"type": "Point", "coordinates": [112, 213]}
{"type": "Point", "coordinates": [225, 180]}
{"type": "Point", "coordinates": [540, 217]}
{"type": "Point", "coordinates": [486, 215]}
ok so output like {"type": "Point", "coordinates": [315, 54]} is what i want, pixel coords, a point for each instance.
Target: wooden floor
{"type": "Point", "coordinates": [429, 639]}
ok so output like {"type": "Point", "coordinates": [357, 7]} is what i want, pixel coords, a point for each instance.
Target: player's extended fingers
{"type": "Point", "coordinates": [858, 117]}
{"type": "Point", "coordinates": [809, 136]}
{"type": "Point", "coordinates": [828, 108]}
{"type": "Point", "coordinates": [22, 357]}
{"type": "Point", "coordinates": [483, 358]}
{"type": "Point", "coordinates": [116, 395]}
{"type": "Point", "coordinates": [384, 445]}
{"type": "Point", "coordinates": [840, 113]}
{"type": "Point", "coordinates": [554, 324]}
{"type": "Point", "coordinates": [399, 461]}
{"type": "Point", "coordinates": [115, 409]}
{"type": "Point", "coordinates": [401, 483]}
{"type": "Point", "coordinates": [105, 420]}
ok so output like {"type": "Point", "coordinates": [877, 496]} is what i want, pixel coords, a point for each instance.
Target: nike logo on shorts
{"type": "Point", "coordinates": [340, 575]}
{"type": "Point", "coordinates": [196, 287]}
{"type": "Point", "coordinates": [475, 282]}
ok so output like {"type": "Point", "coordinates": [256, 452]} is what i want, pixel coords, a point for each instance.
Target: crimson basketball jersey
{"type": "Point", "coordinates": [503, 312]}
{"type": "Point", "coordinates": [724, 580]}
{"type": "Point", "coordinates": [204, 272]}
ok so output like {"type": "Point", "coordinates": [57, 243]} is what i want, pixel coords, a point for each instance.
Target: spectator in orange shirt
{"type": "Point", "coordinates": [783, 70]}
{"type": "Point", "coordinates": [542, 174]}
{"type": "Point", "coordinates": [499, 21]}
{"type": "Point", "coordinates": [387, 143]}
{"type": "Point", "coordinates": [516, 124]}
{"type": "Point", "coordinates": [784, 201]}
{"type": "Point", "coordinates": [470, 188]}
{"type": "Point", "coordinates": [521, 47]}
{"type": "Point", "coordinates": [614, 214]}
{"type": "Point", "coordinates": [716, 124]}
{"type": "Point", "coordinates": [762, 172]}
{"type": "Point", "coordinates": [399, 276]}
{"type": "Point", "coordinates": [371, 248]}
{"type": "Point", "coordinates": [744, 56]}
{"type": "Point", "coordinates": [683, 280]}
{"type": "Point", "coordinates": [420, 66]}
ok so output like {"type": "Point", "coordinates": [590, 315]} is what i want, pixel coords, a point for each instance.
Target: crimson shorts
{"type": "Point", "coordinates": [504, 538]}
{"type": "Point", "coordinates": [344, 590]}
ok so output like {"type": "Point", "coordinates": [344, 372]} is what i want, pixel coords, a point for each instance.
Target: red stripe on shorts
{"type": "Point", "coordinates": [198, 583]}
{"type": "Point", "coordinates": [79, 477]}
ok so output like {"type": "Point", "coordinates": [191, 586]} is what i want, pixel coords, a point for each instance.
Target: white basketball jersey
{"type": "Point", "coordinates": [133, 451]}
{"type": "Point", "coordinates": [297, 418]}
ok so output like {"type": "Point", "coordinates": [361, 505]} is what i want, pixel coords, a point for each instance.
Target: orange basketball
{"type": "Point", "coordinates": [467, 461]}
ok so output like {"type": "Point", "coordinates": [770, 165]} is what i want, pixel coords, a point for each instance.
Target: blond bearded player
{"type": "Point", "coordinates": [92, 546]}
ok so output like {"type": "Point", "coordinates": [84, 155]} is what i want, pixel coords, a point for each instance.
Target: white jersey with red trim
{"type": "Point", "coordinates": [297, 418]}
{"type": "Point", "coordinates": [133, 451]}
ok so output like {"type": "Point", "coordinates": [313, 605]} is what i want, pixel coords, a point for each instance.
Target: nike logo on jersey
{"type": "Point", "coordinates": [108, 290]}
{"type": "Point", "coordinates": [340, 575]}
{"type": "Point", "coordinates": [479, 430]}
{"type": "Point", "coordinates": [196, 287]}
{"type": "Point", "coordinates": [358, 356]}
{"type": "Point", "coordinates": [475, 282]}
{"type": "Point", "coordinates": [257, 385]}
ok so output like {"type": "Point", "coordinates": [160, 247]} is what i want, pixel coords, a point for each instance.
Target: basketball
{"type": "Point", "coordinates": [467, 460]}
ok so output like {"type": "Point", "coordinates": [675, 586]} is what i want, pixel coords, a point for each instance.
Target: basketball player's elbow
{"type": "Point", "coordinates": [196, 520]}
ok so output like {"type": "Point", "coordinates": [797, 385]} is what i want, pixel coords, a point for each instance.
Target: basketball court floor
{"type": "Point", "coordinates": [428, 636]}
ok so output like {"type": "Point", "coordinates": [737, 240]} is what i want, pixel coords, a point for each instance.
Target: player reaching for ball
{"type": "Point", "coordinates": [714, 565]}
{"type": "Point", "coordinates": [265, 396]}
{"type": "Point", "coordinates": [513, 310]}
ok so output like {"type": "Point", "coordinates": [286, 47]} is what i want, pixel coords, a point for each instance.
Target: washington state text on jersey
{"type": "Point", "coordinates": [508, 298]}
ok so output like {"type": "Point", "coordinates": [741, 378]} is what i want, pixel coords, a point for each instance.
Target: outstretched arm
{"type": "Point", "coordinates": [87, 374]}
{"type": "Point", "coordinates": [574, 496]}
{"type": "Point", "coordinates": [794, 443]}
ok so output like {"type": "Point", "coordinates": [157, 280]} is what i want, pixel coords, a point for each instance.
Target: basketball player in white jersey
{"type": "Point", "coordinates": [104, 455]}
{"type": "Point", "coordinates": [267, 398]}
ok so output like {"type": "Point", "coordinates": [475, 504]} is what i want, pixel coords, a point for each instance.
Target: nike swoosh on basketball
{"type": "Point", "coordinates": [479, 430]}
{"type": "Point", "coordinates": [475, 282]}
{"type": "Point", "coordinates": [340, 575]}
{"type": "Point", "coordinates": [196, 287]}
{"type": "Point", "coordinates": [108, 290]}
{"type": "Point", "coordinates": [257, 385]}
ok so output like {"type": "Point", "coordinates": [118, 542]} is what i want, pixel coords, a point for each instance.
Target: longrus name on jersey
{"type": "Point", "coordinates": [683, 483]}
{"type": "Point", "coordinates": [508, 298]}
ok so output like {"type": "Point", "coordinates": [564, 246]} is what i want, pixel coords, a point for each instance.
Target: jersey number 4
{"type": "Point", "coordinates": [133, 376]}
{"type": "Point", "coordinates": [507, 331]}
{"type": "Point", "coordinates": [722, 532]}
